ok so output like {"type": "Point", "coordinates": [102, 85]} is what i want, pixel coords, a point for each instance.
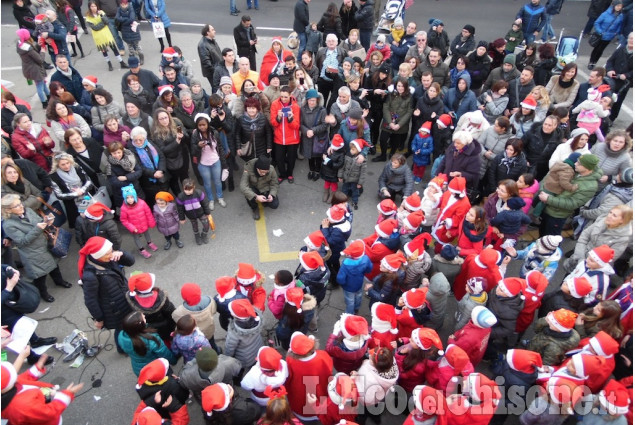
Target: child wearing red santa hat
{"type": "Point", "coordinates": [351, 274]}
{"type": "Point", "coordinates": [201, 307]}
{"type": "Point", "coordinates": [414, 356]}
{"type": "Point", "coordinates": [430, 407]}
{"type": "Point", "coordinates": [376, 377]}
{"type": "Point", "coordinates": [419, 261]}
{"type": "Point", "coordinates": [269, 372]}
{"type": "Point", "coordinates": [387, 209]}
{"type": "Point", "coordinates": [385, 286]}
{"type": "Point", "coordinates": [250, 282]}
{"type": "Point", "coordinates": [226, 292]}
{"type": "Point", "coordinates": [222, 405]}
{"type": "Point", "coordinates": [316, 241]}
{"type": "Point", "coordinates": [554, 404]}
{"type": "Point", "coordinates": [341, 403]}
{"type": "Point", "coordinates": [348, 343]}
{"type": "Point", "coordinates": [282, 282]}
{"type": "Point", "coordinates": [409, 204]}
{"type": "Point", "coordinates": [383, 325]}
{"type": "Point", "coordinates": [297, 314]}
{"type": "Point", "coordinates": [385, 240]}
{"type": "Point", "coordinates": [431, 200]}
{"type": "Point", "coordinates": [336, 228]}
{"type": "Point", "coordinates": [475, 296]}
{"type": "Point", "coordinates": [570, 296]}
{"type": "Point", "coordinates": [534, 290]}
{"type": "Point", "coordinates": [479, 403]}
{"type": "Point", "coordinates": [484, 265]}
{"type": "Point", "coordinates": [596, 268]}
{"type": "Point", "coordinates": [153, 302]}
{"type": "Point", "coordinates": [554, 336]}
{"type": "Point", "coordinates": [443, 374]}
{"type": "Point", "coordinates": [505, 302]}
{"type": "Point", "coordinates": [452, 210]}
{"type": "Point", "coordinates": [412, 311]}
{"type": "Point", "coordinates": [244, 337]}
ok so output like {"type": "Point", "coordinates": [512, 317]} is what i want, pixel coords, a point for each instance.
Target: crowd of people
{"type": "Point", "coordinates": [479, 142]}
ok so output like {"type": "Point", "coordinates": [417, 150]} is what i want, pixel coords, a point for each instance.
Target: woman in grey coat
{"type": "Point", "coordinates": [494, 101]}
{"type": "Point", "coordinates": [103, 106]}
{"type": "Point", "coordinates": [614, 155]}
{"type": "Point", "coordinates": [493, 141]}
{"type": "Point", "coordinates": [26, 231]}
{"type": "Point", "coordinates": [313, 129]}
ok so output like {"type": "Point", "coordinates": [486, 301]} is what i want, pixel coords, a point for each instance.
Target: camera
{"type": "Point", "coordinates": [10, 271]}
{"type": "Point", "coordinates": [219, 110]}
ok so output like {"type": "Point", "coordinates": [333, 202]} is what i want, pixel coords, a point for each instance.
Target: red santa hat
{"type": "Point", "coordinates": [91, 80]}
{"type": "Point", "coordinates": [169, 52]}
{"type": "Point", "coordinates": [413, 202]}
{"type": "Point", "coordinates": [385, 314]}
{"type": "Point", "coordinates": [387, 228]}
{"type": "Point", "coordinates": [488, 258]}
{"type": "Point", "coordinates": [216, 398]}
{"type": "Point", "coordinates": [295, 296]}
{"type": "Point", "coordinates": [387, 207]}
{"type": "Point", "coordinates": [276, 39]}
{"type": "Point", "coordinates": [39, 18]}
{"type": "Point", "coordinates": [96, 247]}
{"type": "Point", "coordinates": [457, 358]}
{"type": "Point", "coordinates": [9, 376]}
{"type": "Point", "coordinates": [149, 416]}
{"type": "Point", "coordinates": [311, 260]}
{"type": "Point", "coordinates": [141, 282]}
{"type": "Point", "coordinates": [269, 358]}
{"type": "Point", "coordinates": [242, 309]}
{"type": "Point", "coordinates": [225, 286]}
{"type": "Point", "coordinates": [246, 274]}
{"type": "Point", "coordinates": [153, 372]}
{"type": "Point", "coordinates": [563, 320]}
{"type": "Point", "coordinates": [579, 287]}
{"type": "Point", "coordinates": [511, 286]}
{"type": "Point", "coordinates": [392, 262]}
{"type": "Point", "coordinates": [418, 245]}
{"type": "Point", "coordinates": [564, 391]}
{"type": "Point", "coordinates": [445, 121]}
{"type": "Point", "coordinates": [355, 249]}
{"type": "Point", "coordinates": [602, 255]}
{"type": "Point", "coordinates": [337, 142]}
{"type": "Point", "coordinates": [352, 326]}
{"type": "Point", "coordinates": [301, 344]}
{"type": "Point", "coordinates": [426, 128]}
{"type": "Point", "coordinates": [96, 211]}
{"type": "Point", "coordinates": [457, 185]}
{"type": "Point", "coordinates": [585, 363]}
{"type": "Point", "coordinates": [439, 181]}
{"type": "Point", "coordinates": [481, 387]}
{"type": "Point", "coordinates": [415, 298]}
{"type": "Point", "coordinates": [523, 361]}
{"type": "Point", "coordinates": [315, 240]}
{"type": "Point", "coordinates": [359, 144]}
{"type": "Point", "coordinates": [604, 344]}
{"type": "Point", "coordinates": [428, 400]}
{"type": "Point", "coordinates": [529, 103]}
{"type": "Point", "coordinates": [615, 398]}
{"type": "Point", "coordinates": [336, 213]}
{"type": "Point", "coordinates": [536, 285]}
{"type": "Point", "coordinates": [191, 293]}
{"type": "Point", "coordinates": [163, 89]}
{"type": "Point", "coordinates": [342, 389]}
{"type": "Point", "coordinates": [414, 220]}
{"type": "Point", "coordinates": [426, 338]}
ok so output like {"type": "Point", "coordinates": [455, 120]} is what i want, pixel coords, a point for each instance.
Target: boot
{"type": "Point", "coordinates": [199, 240]}
{"type": "Point", "coordinates": [230, 182]}
{"type": "Point", "coordinates": [141, 58]}
{"type": "Point", "coordinates": [45, 104]}
{"type": "Point", "coordinates": [110, 68]}
{"type": "Point", "coordinates": [123, 65]}
{"type": "Point", "coordinates": [330, 197]}
{"type": "Point", "coordinates": [326, 194]}
{"type": "Point", "coordinates": [205, 237]}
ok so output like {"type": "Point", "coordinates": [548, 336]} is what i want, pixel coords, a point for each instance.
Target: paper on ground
{"type": "Point", "coordinates": [41, 350]}
{"type": "Point", "coordinates": [278, 232]}
{"type": "Point", "coordinates": [22, 331]}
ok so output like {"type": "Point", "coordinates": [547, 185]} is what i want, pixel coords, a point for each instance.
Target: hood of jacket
{"type": "Point", "coordinates": [155, 308]}
{"type": "Point", "coordinates": [248, 327]}
{"type": "Point", "coordinates": [309, 302]}
{"type": "Point", "coordinates": [126, 343]}
{"type": "Point", "coordinates": [431, 102]}
{"type": "Point", "coordinates": [467, 79]}
{"type": "Point", "coordinates": [357, 266]}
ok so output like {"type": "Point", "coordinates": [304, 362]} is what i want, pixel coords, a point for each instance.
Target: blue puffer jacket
{"type": "Point", "coordinates": [533, 17]}
{"type": "Point", "coordinates": [608, 25]}
{"type": "Point", "coordinates": [389, 293]}
{"type": "Point", "coordinates": [336, 235]}
{"type": "Point", "coordinates": [126, 17]}
{"type": "Point", "coordinates": [223, 308]}
{"type": "Point", "coordinates": [352, 271]}
{"type": "Point", "coordinates": [315, 281]}
{"type": "Point", "coordinates": [467, 104]}
{"type": "Point", "coordinates": [158, 13]}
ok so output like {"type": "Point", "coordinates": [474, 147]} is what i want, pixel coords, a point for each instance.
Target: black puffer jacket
{"type": "Point", "coordinates": [173, 151]}
{"type": "Point", "coordinates": [506, 310]}
{"type": "Point", "coordinates": [106, 228]}
{"type": "Point", "coordinates": [556, 300]}
{"type": "Point", "coordinates": [542, 71]}
{"type": "Point", "coordinates": [539, 147]}
{"type": "Point", "coordinates": [25, 17]}
{"type": "Point", "coordinates": [461, 48]}
{"type": "Point", "coordinates": [365, 16]}
{"type": "Point", "coordinates": [105, 286]}
{"type": "Point", "coordinates": [186, 118]}
{"type": "Point", "coordinates": [159, 315]}
{"type": "Point", "coordinates": [479, 68]}
{"type": "Point", "coordinates": [497, 170]}
{"type": "Point", "coordinates": [427, 106]}
{"type": "Point", "coordinates": [329, 171]}
{"type": "Point", "coordinates": [258, 131]}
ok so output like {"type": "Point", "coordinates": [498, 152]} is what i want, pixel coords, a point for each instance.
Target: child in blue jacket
{"type": "Point", "coordinates": [336, 229]}
{"type": "Point", "coordinates": [422, 147]}
{"type": "Point", "coordinates": [351, 275]}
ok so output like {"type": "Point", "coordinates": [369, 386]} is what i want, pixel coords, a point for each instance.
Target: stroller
{"type": "Point", "coordinates": [394, 9]}
{"type": "Point", "coordinates": [566, 51]}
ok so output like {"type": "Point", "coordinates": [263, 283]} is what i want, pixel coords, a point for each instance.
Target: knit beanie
{"type": "Point", "coordinates": [206, 359]}
{"type": "Point", "coordinates": [589, 161]}
{"type": "Point", "coordinates": [510, 59]}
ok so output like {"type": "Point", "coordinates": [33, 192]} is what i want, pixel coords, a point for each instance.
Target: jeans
{"type": "Point", "coordinates": [547, 31]}
{"type": "Point", "coordinates": [115, 33]}
{"type": "Point", "coordinates": [529, 38]}
{"type": "Point", "coordinates": [353, 300]}
{"type": "Point", "coordinates": [302, 47]}
{"type": "Point", "coordinates": [211, 175]}
{"type": "Point", "coordinates": [551, 225]}
{"type": "Point", "coordinates": [232, 6]}
{"type": "Point", "coordinates": [255, 2]}
{"type": "Point", "coordinates": [351, 189]}
{"type": "Point", "coordinates": [42, 90]}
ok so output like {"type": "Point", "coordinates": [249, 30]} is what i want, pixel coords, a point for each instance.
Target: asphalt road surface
{"type": "Point", "coordinates": [109, 395]}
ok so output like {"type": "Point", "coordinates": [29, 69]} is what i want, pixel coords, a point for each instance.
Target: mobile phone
{"type": "Point", "coordinates": [179, 129]}
{"type": "Point", "coordinates": [286, 110]}
{"type": "Point", "coordinates": [10, 271]}
{"type": "Point", "coordinates": [302, 80]}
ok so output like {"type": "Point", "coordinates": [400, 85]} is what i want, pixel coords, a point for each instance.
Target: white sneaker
{"type": "Point", "coordinates": [222, 202]}
{"type": "Point", "coordinates": [211, 205]}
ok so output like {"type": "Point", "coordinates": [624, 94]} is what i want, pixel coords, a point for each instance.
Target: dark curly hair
{"type": "Point", "coordinates": [100, 91]}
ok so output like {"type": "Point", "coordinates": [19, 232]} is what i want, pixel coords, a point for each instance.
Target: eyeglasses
{"type": "Point", "coordinates": [16, 206]}
{"type": "Point", "coordinates": [421, 39]}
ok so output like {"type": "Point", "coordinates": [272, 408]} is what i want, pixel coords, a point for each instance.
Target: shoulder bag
{"type": "Point", "coordinates": [58, 238]}
{"type": "Point", "coordinates": [56, 209]}
{"type": "Point", "coordinates": [28, 298]}
{"type": "Point", "coordinates": [594, 39]}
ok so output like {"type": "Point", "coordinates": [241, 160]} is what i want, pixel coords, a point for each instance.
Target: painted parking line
{"type": "Point", "coordinates": [264, 252]}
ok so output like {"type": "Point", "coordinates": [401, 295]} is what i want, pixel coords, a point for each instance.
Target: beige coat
{"type": "Point", "coordinates": [204, 318]}
{"type": "Point", "coordinates": [560, 96]}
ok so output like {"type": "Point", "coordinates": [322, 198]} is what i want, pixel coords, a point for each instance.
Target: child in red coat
{"type": "Point", "coordinates": [412, 311]}
{"type": "Point", "coordinates": [413, 357]}
{"type": "Point", "coordinates": [387, 209]}
{"type": "Point", "coordinates": [381, 46]}
{"type": "Point", "coordinates": [341, 403]}
{"type": "Point", "coordinates": [534, 290]}
{"type": "Point", "coordinates": [474, 336]}
{"type": "Point", "coordinates": [472, 232]}
{"type": "Point", "coordinates": [443, 374]}
{"type": "Point", "coordinates": [383, 326]}
{"type": "Point", "coordinates": [138, 219]}
{"type": "Point", "coordinates": [383, 242]}
{"type": "Point", "coordinates": [250, 283]}
{"type": "Point", "coordinates": [484, 265]}
{"type": "Point", "coordinates": [479, 404]}
{"type": "Point", "coordinates": [348, 343]}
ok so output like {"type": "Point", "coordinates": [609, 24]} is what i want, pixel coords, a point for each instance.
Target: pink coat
{"type": "Point", "coordinates": [527, 195]}
{"type": "Point", "coordinates": [137, 218]}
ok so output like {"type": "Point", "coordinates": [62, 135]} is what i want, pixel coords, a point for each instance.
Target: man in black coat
{"type": "Point", "coordinates": [70, 78]}
{"type": "Point", "coordinates": [539, 143]}
{"type": "Point", "coordinates": [209, 53]}
{"type": "Point", "coordinates": [462, 44]}
{"type": "Point", "coordinates": [365, 18]}
{"type": "Point", "coordinates": [347, 14]}
{"type": "Point", "coordinates": [619, 68]}
{"type": "Point", "coordinates": [246, 39]}
{"type": "Point", "coordinates": [148, 79]}
{"type": "Point", "coordinates": [59, 35]}
{"type": "Point", "coordinates": [300, 22]}
{"type": "Point", "coordinates": [226, 68]}
{"type": "Point", "coordinates": [519, 89]}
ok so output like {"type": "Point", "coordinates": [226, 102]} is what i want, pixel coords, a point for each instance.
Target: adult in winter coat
{"type": "Point", "coordinates": [62, 118]}
{"type": "Point", "coordinates": [32, 64]}
{"type": "Point", "coordinates": [331, 22]}
{"type": "Point", "coordinates": [152, 162]}
{"type": "Point", "coordinates": [395, 178]}
{"type": "Point", "coordinates": [365, 18]}
{"type": "Point", "coordinates": [26, 231]}
{"type": "Point", "coordinates": [519, 89]}
{"type": "Point", "coordinates": [493, 142]}
{"type": "Point", "coordinates": [462, 159]}
{"type": "Point", "coordinates": [596, 8]}
{"type": "Point", "coordinates": [460, 99]}
{"type": "Point", "coordinates": [10, 108]}
{"type": "Point", "coordinates": [438, 37]}
{"type": "Point", "coordinates": [617, 193]}
{"type": "Point", "coordinates": [14, 182]}
{"type": "Point", "coordinates": [98, 220]}
{"type": "Point", "coordinates": [209, 53]}
{"type": "Point", "coordinates": [429, 107]}
{"type": "Point", "coordinates": [104, 283]}
{"type": "Point", "coordinates": [70, 184]}
{"type": "Point", "coordinates": [122, 169]}
{"type": "Point", "coordinates": [539, 143]}
{"type": "Point", "coordinates": [88, 154]}
{"type": "Point", "coordinates": [286, 133]}
{"type": "Point", "coordinates": [397, 111]}
{"type": "Point", "coordinates": [563, 88]}
{"type": "Point", "coordinates": [259, 184]}
{"type": "Point", "coordinates": [31, 141]}
{"type": "Point", "coordinates": [169, 140]}
{"type": "Point", "coordinates": [506, 302]}
{"type": "Point", "coordinates": [511, 163]}
{"type": "Point", "coordinates": [462, 44]}
{"type": "Point", "coordinates": [608, 26]}
{"type": "Point", "coordinates": [23, 15]}
{"type": "Point", "coordinates": [399, 44]}
{"type": "Point", "coordinates": [347, 15]}
{"type": "Point", "coordinates": [506, 72]}
{"type": "Point", "coordinates": [613, 155]}
{"type": "Point", "coordinates": [494, 102]}
{"type": "Point", "coordinates": [155, 12]}
{"type": "Point", "coordinates": [478, 66]}
{"type": "Point", "coordinates": [252, 132]}
{"type": "Point", "coordinates": [620, 68]}
{"type": "Point", "coordinates": [124, 18]}
{"type": "Point", "coordinates": [533, 17]}
{"type": "Point", "coordinates": [104, 105]}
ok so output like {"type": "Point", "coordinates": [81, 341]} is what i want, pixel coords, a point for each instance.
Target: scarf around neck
{"type": "Point", "coordinates": [468, 228]}
{"type": "Point", "coordinates": [18, 186]}
{"type": "Point", "coordinates": [70, 178]}
{"type": "Point", "coordinates": [144, 156]}
{"type": "Point", "coordinates": [126, 162]}
{"type": "Point", "coordinates": [67, 74]}
{"type": "Point", "coordinates": [397, 34]}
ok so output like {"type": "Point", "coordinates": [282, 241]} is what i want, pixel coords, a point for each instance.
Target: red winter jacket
{"type": "Point", "coordinates": [285, 132]}
{"type": "Point", "coordinates": [376, 252]}
{"type": "Point", "coordinates": [464, 413]}
{"type": "Point", "coordinates": [471, 269]}
{"type": "Point", "coordinates": [467, 246]}
{"type": "Point", "coordinates": [43, 144]}
{"type": "Point", "coordinates": [409, 379]}
{"type": "Point", "coordinates": [308, 375]}
{"type": "Point", "coordinates": [440, 377]}
{"type": "Point", "coordinates": [345, 361]}
{"type": "Point", "coordinates": [179, 417]}
{"type": "Point", "coordinates": [381, 339]}
{"type": "Point", "coordinates": [473, 340]}
{"type": "Point", "coordinates": [526, 316]}
{"type": "Point", "coordinates": [137, 218]}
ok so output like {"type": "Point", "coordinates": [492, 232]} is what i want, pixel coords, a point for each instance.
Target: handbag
{"type": "Point", "coordinates": [594, 39]}
{"type": "Point", "coordinates": [102, 196]}
{"type": "Point", "coordinates": [28, 298]}
{"type": "Point", "coordinates": [56, 209]}
{"type": "Point", "coordinates": [158, 29]}
{"type": "Point", "coordinates": [58, 239]}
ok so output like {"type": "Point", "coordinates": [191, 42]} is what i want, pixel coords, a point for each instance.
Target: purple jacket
{"type": "Point", "coordinates": [168, 220]}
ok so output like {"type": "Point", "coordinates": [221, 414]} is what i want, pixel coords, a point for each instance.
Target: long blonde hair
{"type": "Point", "coordinates": [159, 131]}
{"type": "Point", "coordinates": [544, 96]}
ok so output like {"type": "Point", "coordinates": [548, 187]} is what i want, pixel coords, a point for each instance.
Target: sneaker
{"type": "Point", "coordinates": [179, 244]}
{"type": "Point", "coordinates": [355, 206]}
{"type": "Point", "coordinates": [152, 246]}
{"type": "Point", "coordinates": [167, 245]}
{"type": "Point", "coordinates": [417, 180]}
{"type": "Point", "coordinates": [290, 178]}
{"type": "Point", "coordinates": [590, 66]}
{"type": "Point", "coordinates": [145, 253]}
{"type": "Point", "coordinates": [255, 214]}
{"type": "Point", "coordinates": [222, 202]}
{"type": "Point", "coordinates": [211, 205]}
{"type": "Point", "coordinates": [280, 179]}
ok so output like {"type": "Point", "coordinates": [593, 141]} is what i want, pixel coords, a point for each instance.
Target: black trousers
{"type": "Point", "coordinates": [285, 159]}
{"type": "Point", "coordinates": [598, 50]}
{"type": "Point", "coordinates": [253, 204]}
{"type": "Point", "coordinates": [40, 282]}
